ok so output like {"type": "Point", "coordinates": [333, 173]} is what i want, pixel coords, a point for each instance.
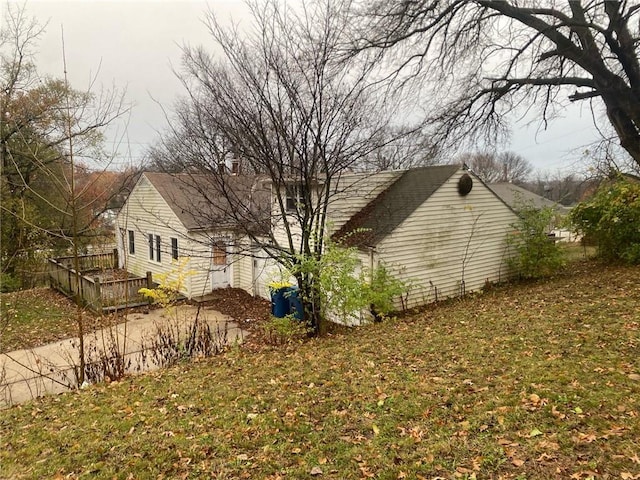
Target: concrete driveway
{"type": "Point", "coordinates": [145, 340]}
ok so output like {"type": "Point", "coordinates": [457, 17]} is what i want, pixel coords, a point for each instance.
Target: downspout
{"type": "Point", "coordinates": [372, 251]}
{"type": "Point", "coordinates": [372, 310]}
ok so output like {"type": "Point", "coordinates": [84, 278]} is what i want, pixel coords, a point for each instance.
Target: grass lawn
{"type": "Point", "coordinates": [35, 317]}
{"type": "Point", "coordinates": [530, 381]}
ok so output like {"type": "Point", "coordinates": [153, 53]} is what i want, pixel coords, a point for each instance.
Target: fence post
{"type": "Point", "coordinates": [116, 262]}
{"type": "Point", "coordinates": [98, 293]}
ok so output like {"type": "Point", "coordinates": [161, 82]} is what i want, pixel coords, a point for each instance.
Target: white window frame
{"type": "Point", "coordinates": [174, 248]}
{"type": "Point", "coordinates": [155, 243]}
{"type": "Point", "coordinates": [131, 242]}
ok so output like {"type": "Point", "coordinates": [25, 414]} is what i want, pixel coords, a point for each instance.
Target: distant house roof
{"type": "Point", "coordinates": [201, 201]}
{"type": "Point", "coordinates": [516, 197]}
{"type": "Point", "coordinates": [393, 205]}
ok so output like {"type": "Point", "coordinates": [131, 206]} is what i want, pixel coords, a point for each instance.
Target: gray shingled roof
{"type": "Point", "coordinates": [201, 202]}
{"type": "Point", "coordinates": [392, 206]}
{"type": "Point", "coordinates": [516, 196]}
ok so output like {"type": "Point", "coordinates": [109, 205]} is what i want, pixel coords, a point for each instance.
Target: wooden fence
{"type": "Point", "coordinates": [96, 261]}
{"type": "Point", "coordinates": [94, 293]}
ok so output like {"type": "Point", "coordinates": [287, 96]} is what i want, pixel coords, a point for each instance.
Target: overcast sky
{"type": "Point", "coordinates": [134, 44]}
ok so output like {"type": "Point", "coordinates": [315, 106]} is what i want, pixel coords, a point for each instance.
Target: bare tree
{"type": "Point", "coordinates": [47, 128]}
{"type": "Point", "coordinates": [488, 57]}
{"type": "Point", "coordinates": [565, 189]}
{"type": "Point", "coordinates": [497, 167]}
{"type": "Point", "coordinates": [42, 118]}
{"type": "Point", "coordinates": [404, 150]}
{"type": "Point", "coordinates": [282, 102]}
{"type": "Point", "coordinates": [515, 168]}
{"type": "Point", "coordinates": [191, 140]}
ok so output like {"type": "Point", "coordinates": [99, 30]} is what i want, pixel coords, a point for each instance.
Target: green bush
{"type": "Point", "coordinates": [536, 254]}
{"type": "Point", "coordinates": [287, 329]}
{"type": "Point", "coordinates": [611, 220]}
{"type": "Point", "coordinates": [346, 288]}
{"type": "Point", "coordinates": [8, 283]}
{"type": "Point", "coordinates": [383, 288]}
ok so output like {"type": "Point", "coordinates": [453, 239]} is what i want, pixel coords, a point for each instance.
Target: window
{"type": "Point", "coordinates": [294, 196]}
{"type": "Point", "coordinates": [219, 254]}
{"type": "Point", "coordinates": [132, 242]}
{"type": "Point", "coordinates": [154, 247]}
{"type": "Point", "coordinates": [174, 248]}
{"type": "Point", "coordinates": [151, 250]}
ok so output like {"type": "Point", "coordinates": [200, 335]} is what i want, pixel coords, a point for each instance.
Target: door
{"type": "Point", "coordinates": [220, 268]}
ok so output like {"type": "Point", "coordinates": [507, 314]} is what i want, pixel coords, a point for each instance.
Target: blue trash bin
{"type": "Point", "coordinates": [295, 304]}
{"type": "Point", "coordinates": [279, 302]}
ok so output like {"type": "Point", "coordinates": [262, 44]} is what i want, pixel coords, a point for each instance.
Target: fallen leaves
{"type": "Point", "coordinates": [534, 402]}
{"type": "Point", "coordinates": [37, 317]}
{"type": "Point", "coordinates": [629, 476]}
{"type": "Point", "coordinates": [584, 437]}
{"type": "Point", "coordinates": [384, 401]}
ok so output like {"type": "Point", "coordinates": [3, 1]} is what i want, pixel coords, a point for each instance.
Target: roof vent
{"type": "Point", "coordinates": [465, 184]}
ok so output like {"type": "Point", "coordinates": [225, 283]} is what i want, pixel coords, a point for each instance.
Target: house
{"type": "Point", "coordinates": [438, 228]}
{"type": "Point", "coordinates": [517, 197]}
{"type": "Point", "coordinates": [176, 225]}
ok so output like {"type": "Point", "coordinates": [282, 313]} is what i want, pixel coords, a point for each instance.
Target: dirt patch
{"type": "Point", "coordinates": [251, 313]}
{"type": "Point", "coordinates": [247, 311]}
{"type": "Point", "coordinates": [109, 274]}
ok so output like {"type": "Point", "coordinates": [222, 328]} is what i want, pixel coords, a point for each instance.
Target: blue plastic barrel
{"type": "Point", "coordinates": [279, 302]}
{"type": "Point", "coordinates": [295, 304]}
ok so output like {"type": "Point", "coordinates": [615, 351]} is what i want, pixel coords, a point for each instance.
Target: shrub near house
{"type": "Point", "coordinates": [536, 254]}
{"type": "Point", "coordinates": [611, 219]}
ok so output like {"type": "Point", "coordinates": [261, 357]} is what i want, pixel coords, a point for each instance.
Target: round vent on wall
{"type": "Point", "coordinates": [465, 184]}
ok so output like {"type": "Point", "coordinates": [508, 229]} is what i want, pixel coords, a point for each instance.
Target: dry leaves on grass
{"type": "Point", "coordinates": [35, 317]}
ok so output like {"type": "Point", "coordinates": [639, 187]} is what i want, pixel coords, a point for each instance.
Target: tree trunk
{"type": "Point", "coordinates": [311, 303]}
{"type": "Point", "coordinates": [624, 126]}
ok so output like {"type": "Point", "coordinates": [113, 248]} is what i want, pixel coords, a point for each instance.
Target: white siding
{"type": "Point", "coordinates": [447, 235]}
{"type": "Point", "coordinates": [264, 271]}
{"type": "Point", "coordinates": [200, 264]}
{"type": "Point", "coordinates": [243, 267]}
{"type": "Point", "coordinates": [350, 194]}
{"type": "Point", "coordinates": [145, 212]}
{"type": "Point", "coordinates": [354, 192]}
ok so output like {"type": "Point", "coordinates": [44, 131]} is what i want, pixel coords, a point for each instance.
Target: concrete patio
{"type": "Point", "coordinates": [50, 369]}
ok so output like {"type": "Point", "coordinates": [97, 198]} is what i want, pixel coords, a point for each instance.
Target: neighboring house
{"type": "Point", "coordinates": [172, 224]}
{"type": "Point", "coordinates": [516, 197]}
